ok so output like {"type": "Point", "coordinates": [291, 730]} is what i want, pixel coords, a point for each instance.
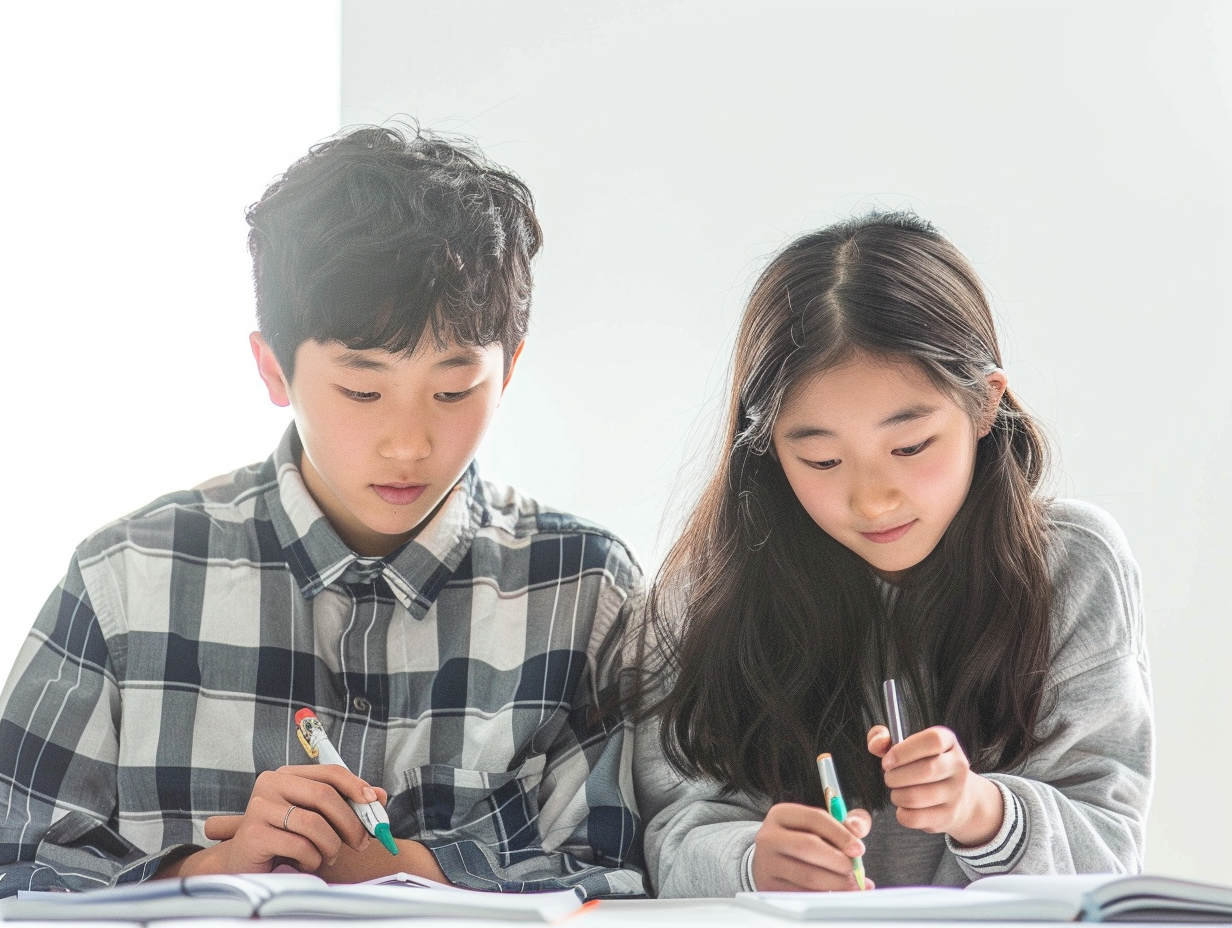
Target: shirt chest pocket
{"type": "Point", "coordinates": [496, 808]}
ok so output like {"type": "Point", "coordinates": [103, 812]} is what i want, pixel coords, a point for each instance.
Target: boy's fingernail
{"type": "Point", "coordinates": [369, 794]}
{"type": "Point", "coordinates": [363, 845]}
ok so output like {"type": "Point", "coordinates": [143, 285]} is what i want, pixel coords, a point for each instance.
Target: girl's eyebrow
{"type": "Point", "coordinates": [909, 414]}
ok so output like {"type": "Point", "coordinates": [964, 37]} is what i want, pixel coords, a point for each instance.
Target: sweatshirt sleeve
{"type": "Point", "coordinates": [1079, 803]}
{"type": "Point", "coordinates": [697, 839]}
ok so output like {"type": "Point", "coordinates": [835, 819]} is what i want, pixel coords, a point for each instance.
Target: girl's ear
{"type": "Point", "coordinates": [997, 383]}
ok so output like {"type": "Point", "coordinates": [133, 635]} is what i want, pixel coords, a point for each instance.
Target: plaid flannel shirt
{"type": "Point", "coordinates": [461, 673]}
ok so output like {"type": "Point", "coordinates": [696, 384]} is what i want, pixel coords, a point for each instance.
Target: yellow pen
{"type": "Point", "coordinates": [835, 805]}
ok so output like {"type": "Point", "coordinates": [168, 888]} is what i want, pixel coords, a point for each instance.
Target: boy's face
{"type": "Point", "coordinates": [385, 436]}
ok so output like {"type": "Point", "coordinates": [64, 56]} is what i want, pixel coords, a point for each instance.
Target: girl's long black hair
{"type": "Point", "coordinates": [775, 637]}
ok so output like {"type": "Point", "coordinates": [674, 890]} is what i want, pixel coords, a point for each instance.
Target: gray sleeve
{"type": "Point", "coordinates": [1083, 793]}
{"type": "Point", "coordinates": [697, 841]}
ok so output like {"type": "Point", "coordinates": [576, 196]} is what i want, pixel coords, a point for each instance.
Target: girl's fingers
{"type": "Point", "coordinates": [858, 822]}
{"type": "Point", "coordinates": [818, 822]}
{"type": "Point", "coordinates": [935, 769]}
{"type": "Point", "coordinates": [803, 877]}
{"type": "Point", "coordinates": [811, 851]}
{"type": "Point", "coordinates": [925, 796]}
{"type": "Point", "coordinates": [926, 743]}
{"type": "Point", "coordinates": [879, 740]}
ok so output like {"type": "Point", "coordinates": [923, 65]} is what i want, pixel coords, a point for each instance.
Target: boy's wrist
{"type": "Point", "coordinates": [190, 861]}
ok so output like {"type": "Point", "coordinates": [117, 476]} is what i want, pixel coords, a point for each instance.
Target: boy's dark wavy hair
{"type": "Point", "coordinates": [773, 634]}
{"type": "Point", "coordinates": [378, 234]}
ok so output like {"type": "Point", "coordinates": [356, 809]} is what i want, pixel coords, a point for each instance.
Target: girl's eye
{"type": "Point", "coordinates": [357, 395]}
{"type": "Point", "coordinates": [912, 449]}
{"type": "Point", "coordinates": [454, 397]}
{"type": "Point", "coordinates": [824, 465]}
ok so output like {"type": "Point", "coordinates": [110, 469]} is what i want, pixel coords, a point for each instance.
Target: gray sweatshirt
{"type": "Point", "coordinates": [1077, 805]}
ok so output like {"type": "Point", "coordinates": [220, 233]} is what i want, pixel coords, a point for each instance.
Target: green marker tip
{"type": "Point", "coordinates": [383, 835]}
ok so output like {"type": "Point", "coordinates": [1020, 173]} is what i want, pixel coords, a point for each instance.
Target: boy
{"type": "Point", "coordinates": [459, 643]}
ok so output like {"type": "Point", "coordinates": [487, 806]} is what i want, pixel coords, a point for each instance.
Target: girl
{"type": "Point", "coordinates": [874, 513]}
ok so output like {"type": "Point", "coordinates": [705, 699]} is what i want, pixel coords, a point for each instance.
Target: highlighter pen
{"type": "Point", "coordinates": [836, 806]}
{"type": "Point", "coordinates": [894, 711]}
{"type": "Point", "coordinates": [311, 734]}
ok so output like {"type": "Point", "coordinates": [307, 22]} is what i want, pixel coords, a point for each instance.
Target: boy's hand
{"type": "Point", "coordinates": [270, 832]}
{"type": "Point", "coordinates": [931, 783]}
{"type": "Point", "coordinates": [803, 847]}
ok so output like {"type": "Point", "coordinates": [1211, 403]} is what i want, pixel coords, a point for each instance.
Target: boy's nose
{"type": "Point", "coordinates": [408, 443]}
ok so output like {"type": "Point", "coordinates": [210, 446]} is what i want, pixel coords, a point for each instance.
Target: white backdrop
{"type": "Point", "coordinates": [134, 135]}
{"type": "Point", "coordinates": [1078, 152]}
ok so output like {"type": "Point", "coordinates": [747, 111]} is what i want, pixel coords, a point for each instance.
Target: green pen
{"type": "Point", "coordinates": [835, 805]}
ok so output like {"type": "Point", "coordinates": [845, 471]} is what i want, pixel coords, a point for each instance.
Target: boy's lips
{"type": "Point", "coordinates": [399, 494]}
{"type": "Point", "coordinates": [890, 534]}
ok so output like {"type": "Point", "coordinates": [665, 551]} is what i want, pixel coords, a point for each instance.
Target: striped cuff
{"type": "Point", "coordinates": [1001, 853]}
{"type": "Point", "coordinates": [749, 886]}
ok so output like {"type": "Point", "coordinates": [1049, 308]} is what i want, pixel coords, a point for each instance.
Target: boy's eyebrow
{"type": "Point", "coordinates": [463, 357]}
{"type": "Point", "coordinates": [910, 414]}
{"type": "Point", "coordinates": [360, 362]}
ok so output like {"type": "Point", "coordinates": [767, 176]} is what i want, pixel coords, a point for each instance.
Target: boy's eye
{"type": "Point", "coordinates": [824, 465]}
{"type": "Point", "coordinates": [454, 397]}
{"type": "Point", "coordinates": [912, 449]}
{"type": "Point", "coordinates": [357, 395]}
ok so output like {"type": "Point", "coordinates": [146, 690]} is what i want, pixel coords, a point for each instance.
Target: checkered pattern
{"type": "Point", "coordinates": [461, 673]}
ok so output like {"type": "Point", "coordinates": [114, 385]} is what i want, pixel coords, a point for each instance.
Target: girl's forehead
{"type": "Point", "coordinates": [864, 374]}
{"type": "Point", "coordinates": [867, 389]}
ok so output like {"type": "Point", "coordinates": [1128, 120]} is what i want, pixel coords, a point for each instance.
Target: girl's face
{"type": "Point", "coordinates": [879, 457]}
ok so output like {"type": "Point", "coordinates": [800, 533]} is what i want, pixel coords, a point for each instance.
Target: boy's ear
{"type": "Point", "coordinates": [270, 371]}
{"type": "Point", "coordinates": [517, 353]}
{"type": "Point", "coordinates": [997, 384]}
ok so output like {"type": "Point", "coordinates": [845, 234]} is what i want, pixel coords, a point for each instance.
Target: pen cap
{"type": "Point", "coordinates": [829, 778]}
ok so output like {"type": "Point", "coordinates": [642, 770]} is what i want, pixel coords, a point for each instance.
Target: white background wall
{"type": "Point", "coordinates": [134, 135]}
{"type": "Point", "coordinates": [1078, 152]}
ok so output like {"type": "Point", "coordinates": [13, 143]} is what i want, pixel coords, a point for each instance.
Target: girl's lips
{"type": "Point", "coordinates": [889, 535]}
{"type": "Point", "coordinates": [397, 494]}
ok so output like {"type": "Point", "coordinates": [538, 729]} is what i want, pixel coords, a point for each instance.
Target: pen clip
{"type": "Point", "coordinates": [312, 752]}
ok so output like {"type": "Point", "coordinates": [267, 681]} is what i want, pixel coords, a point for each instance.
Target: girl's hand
{"type": "Point", "coordinates": [932, 785]}
{"type": "Point", "coordinates": [270, 832]}
{"type": "Point", "coordinates": [803, 847]}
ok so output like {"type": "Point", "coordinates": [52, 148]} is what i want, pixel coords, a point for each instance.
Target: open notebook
{"type": "Point", "coordinates": [293, 894]}
{"type": "Point", "coordinates": [1094, 897]}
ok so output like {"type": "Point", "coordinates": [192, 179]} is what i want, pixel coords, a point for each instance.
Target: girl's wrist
{"type": "Point", "coordinates": [984, 817]}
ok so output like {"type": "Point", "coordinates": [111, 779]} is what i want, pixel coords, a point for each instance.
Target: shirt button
{"type": "Point", "coordinates": [361, 704]}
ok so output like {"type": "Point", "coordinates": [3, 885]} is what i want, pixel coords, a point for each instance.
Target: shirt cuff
{"type": "Point", "coordinates": [472, 865]}
{"type": "Point", "coordinates": [145, 868]}
{"type": "Point", "coordinates": [1001, 852]}
{"type": "Point", "coordinates": [747, 877]}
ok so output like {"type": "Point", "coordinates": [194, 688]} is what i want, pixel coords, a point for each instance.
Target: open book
{"type": "Point", "coordinates": [1095, 897]}
{"type": "Point", "coordinates": [294, 894]}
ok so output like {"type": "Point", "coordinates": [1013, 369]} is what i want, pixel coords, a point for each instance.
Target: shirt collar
{"type": "Point", "coordinates": [317, 557]}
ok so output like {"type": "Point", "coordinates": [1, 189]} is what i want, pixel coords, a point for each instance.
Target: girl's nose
{"type": "Point", "coordinates": [874, 499]}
